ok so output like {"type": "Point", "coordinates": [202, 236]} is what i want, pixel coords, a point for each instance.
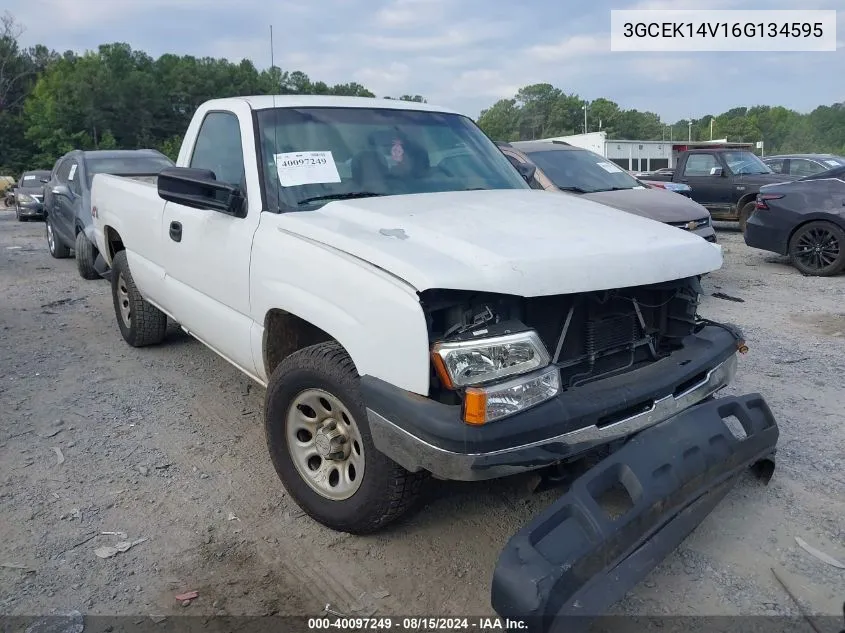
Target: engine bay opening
{"type": "Point", "coordinates": [589, 335]}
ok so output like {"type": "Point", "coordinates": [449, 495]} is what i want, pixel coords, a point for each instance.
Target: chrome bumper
{"type": "Point", "coordinates": [415, 454]}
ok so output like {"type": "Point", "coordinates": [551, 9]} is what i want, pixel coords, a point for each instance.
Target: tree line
{"type": "Point", "coordinates": [117, 97]}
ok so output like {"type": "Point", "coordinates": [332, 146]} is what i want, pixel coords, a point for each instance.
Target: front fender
{"type": "Point", "coordinates": [375, 316]}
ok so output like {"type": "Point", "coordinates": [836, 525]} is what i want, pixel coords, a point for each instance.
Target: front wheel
{"type": "Point", "coordinates": [57, 249]}
{"type": "Point", "coordinates": [85, 256]}
{"type": "Point", "coordinates": [745, 213]}
{"type": "Point", "coordinates": [320, 443]}
{"type": "Point", "coordinates": [140, 323]}
{"type": "Point", "coordinates": [818, 248]}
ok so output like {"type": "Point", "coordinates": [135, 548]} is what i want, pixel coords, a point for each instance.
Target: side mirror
{"type": "Point", "coordinates": [44, 180]}
{"type": "Point", "coordinates": [716, 171]}
{"type": "Point", "coordinates": [526, 170]}
{"type": "Point", "coordinates": [200, 189]}
{"type": "Point", "coordinates": [61, 190]}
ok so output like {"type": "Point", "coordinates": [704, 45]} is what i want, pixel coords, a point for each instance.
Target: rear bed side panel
{"type": "Point", "coordinates": [133, 209]}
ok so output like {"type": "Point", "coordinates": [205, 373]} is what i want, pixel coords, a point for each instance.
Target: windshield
{"type": "Point", "coordinates": [33, 178]}
{"type": "Point", "coordinates": [745, 163]}
{"type": "Point", "coordinates": [314, 155]}
{"type": "Point", "coordinates": [582, 171]}
{"type": "Point", "coordinates": [130, 165]}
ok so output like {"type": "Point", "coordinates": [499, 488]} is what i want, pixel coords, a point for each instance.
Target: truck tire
{"type": "Point", "coordinates": [745, 213]}
{"type": "Point", "coordinates": [140, 323]}
{"type": "Point", "coordinates": [320, 444]}
{"type": "Point", "coordinates": [54, 244]}
{"type": "Point", "coordinates": [85, 256]}
{"type": "Point", "coordinates": [818, 248]}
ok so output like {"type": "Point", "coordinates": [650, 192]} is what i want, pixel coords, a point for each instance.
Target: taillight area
{"type": "Point", "coordinates": [762, 197]}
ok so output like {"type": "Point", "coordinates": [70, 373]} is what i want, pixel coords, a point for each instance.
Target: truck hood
{"type": "Point", "coordinates": [657, 204]}
{"type": "Point", "coordinates": [520, 242]}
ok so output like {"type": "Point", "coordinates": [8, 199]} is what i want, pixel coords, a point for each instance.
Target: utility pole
{"type": "Point", "coordinates": [584, 107]}
{"type": "Point", "coordinates": [690, 131]}
{"type": "Point", "coordinates": [711, 128]}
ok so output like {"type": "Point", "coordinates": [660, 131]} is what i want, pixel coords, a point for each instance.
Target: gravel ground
{"type": "Point", "coordinates": [166, 444]}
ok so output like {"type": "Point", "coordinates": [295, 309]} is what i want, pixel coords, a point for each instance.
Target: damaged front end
{"type": "Point", "coordinates": [575, 560]}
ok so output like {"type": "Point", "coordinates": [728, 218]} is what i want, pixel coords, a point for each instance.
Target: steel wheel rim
{"type": "Point", "coordinates": [123, 300]}
{"type": "Point", "coordinates": [325, 444]}
{"type": "Point", "coordinates": [817, 248]}
{"type": "Point", "coordinates": [51, 242]}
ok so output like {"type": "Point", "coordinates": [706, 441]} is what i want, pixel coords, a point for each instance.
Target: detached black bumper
{"type": "Point", "coordinates": [573, 562]}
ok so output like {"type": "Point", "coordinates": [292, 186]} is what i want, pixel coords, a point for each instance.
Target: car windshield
{"type": "Point", "coordinates": [33, 178]}
{"type": "Point", "coordinates": [126, 165]}
{"type": "Point", "coordinates": [746, 163]}
{"type": "Point", "coordinates": [582, 171]}
{"type": "Point", "coordinates": [314, 155]}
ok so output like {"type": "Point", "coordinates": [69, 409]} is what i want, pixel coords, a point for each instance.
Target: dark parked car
{"type": "Point", "coordinates": [804, 219]}
{"type": "Point", "coordinates": [29, 195]}
{"type": "Point", "coordinates": [67, 199]}
{"type": "Point", "coordinates": [563, 167]}
{"type": "Point", "coordinates": [801, 165]}
{"type": "Point", "coordinates": [724, 180]}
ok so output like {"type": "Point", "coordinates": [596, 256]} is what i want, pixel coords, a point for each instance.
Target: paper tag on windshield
{"type": "Point", "coordinates": [832, 163]}
{"type": "Point", "coordinates": [609, 167]}
{"type": "Point", "coordinates": [72, 172]}
{"type": "Point", "coordinates": [30, 177]}
{"type": "Point", "coordinates": [306, 168]}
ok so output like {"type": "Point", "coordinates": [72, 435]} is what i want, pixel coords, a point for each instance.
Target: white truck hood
{"type": "Point", "coordinates": [519, 242]}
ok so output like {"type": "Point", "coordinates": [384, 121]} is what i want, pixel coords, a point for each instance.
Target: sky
{"type": "Point", "coordinates": [461, 54]}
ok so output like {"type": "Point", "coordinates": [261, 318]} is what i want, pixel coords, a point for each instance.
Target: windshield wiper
{"type": "Point", "coordinates": [342, 196]}
{"type": "Point", "coordinates": [612, 189]}
{"type": "Point", "coordinates": [575, 189]}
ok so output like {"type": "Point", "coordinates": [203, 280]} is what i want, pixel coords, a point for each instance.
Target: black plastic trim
{"type": "Point", "coordinates": [440, 425]}
{"type": "Point", "coordinates": [570, 564]}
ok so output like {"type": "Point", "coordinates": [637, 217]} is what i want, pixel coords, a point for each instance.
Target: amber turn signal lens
{"type": "Point", "coordinates": [440, 368]}
{"type": "Point", "coordinates": [475, 407]}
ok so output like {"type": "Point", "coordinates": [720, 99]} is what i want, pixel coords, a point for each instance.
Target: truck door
{"type": "Point", "coordinates": [710, 188]}
{"type": "Point", "coordinates": [206, 253]}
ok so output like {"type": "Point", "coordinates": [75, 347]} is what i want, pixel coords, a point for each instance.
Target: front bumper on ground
{"type": "Point", "coordinates": [421, 434]}
{"type": "Point", "coordinates": [570, 564]}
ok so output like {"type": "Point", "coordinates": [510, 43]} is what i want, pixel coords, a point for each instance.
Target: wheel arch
{"type": "Point", "coordinates": [815, 217]}
{"type": "Point", "coordinates": [113, 242]}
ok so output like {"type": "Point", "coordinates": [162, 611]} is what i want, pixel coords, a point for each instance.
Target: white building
{"type": "Point", "coordinates": [639, 155]}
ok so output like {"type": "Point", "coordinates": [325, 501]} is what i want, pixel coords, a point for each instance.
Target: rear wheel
{"type": "Point", "coordinates": [818, 248]}
{"type": "Point", "coordinates": [85, 256]}
{"type": "Point", "coordinates": [57, 249]}
{"type": "Point", "coordinates": [745, 213]}
{"type": "Point", "coordinates": [140, 322]}
{"type": "Point", "coordinates": [320, 443]}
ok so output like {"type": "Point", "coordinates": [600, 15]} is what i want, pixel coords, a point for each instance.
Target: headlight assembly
{"type": "Point", "coordinates": [474, 362]}
{"type": "Point", "coordinates": [25, 198]}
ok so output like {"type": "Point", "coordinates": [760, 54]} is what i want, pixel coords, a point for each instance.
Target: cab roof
{"type": "Point", "coordinates": [266, 102]}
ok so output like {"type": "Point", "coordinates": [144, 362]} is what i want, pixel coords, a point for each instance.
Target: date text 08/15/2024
{"type": "Point", "coordinates": [416, 624]}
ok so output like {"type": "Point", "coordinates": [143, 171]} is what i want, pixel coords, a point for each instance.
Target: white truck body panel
{"type": "Point", "coordinates": [526, 243]}
{"type": "Point", "coordinates": [335, 268]}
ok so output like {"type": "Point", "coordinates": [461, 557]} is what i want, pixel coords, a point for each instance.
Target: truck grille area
{"type": "Point", "coordinates": [589, 335]}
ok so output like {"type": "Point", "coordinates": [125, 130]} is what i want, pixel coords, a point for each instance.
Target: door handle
{"type": "Point", "coordinates": [176, 231]}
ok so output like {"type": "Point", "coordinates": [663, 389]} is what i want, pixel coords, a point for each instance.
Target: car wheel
{"type": "Point", "coordinates": [818, 249]}
{"type": "Point", "coordinates": [745, 213]}
{"type": "Point", "coordinates": [57, 249]}
{"type": "Point", "coordinates": [320, 444]}
{"type": "Point", "coordinates": [85, 257]}
{"type": "Point", "coordinates": [18, 216]}
{"type": "Point", "coordinates": [140, 322]}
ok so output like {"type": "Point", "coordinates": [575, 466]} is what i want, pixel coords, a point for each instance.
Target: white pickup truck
{"type": "Point", "coordinates": [413, 307]}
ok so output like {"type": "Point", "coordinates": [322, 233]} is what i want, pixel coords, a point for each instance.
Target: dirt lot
{"type": "Point", "coordinates": [166, 444]}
